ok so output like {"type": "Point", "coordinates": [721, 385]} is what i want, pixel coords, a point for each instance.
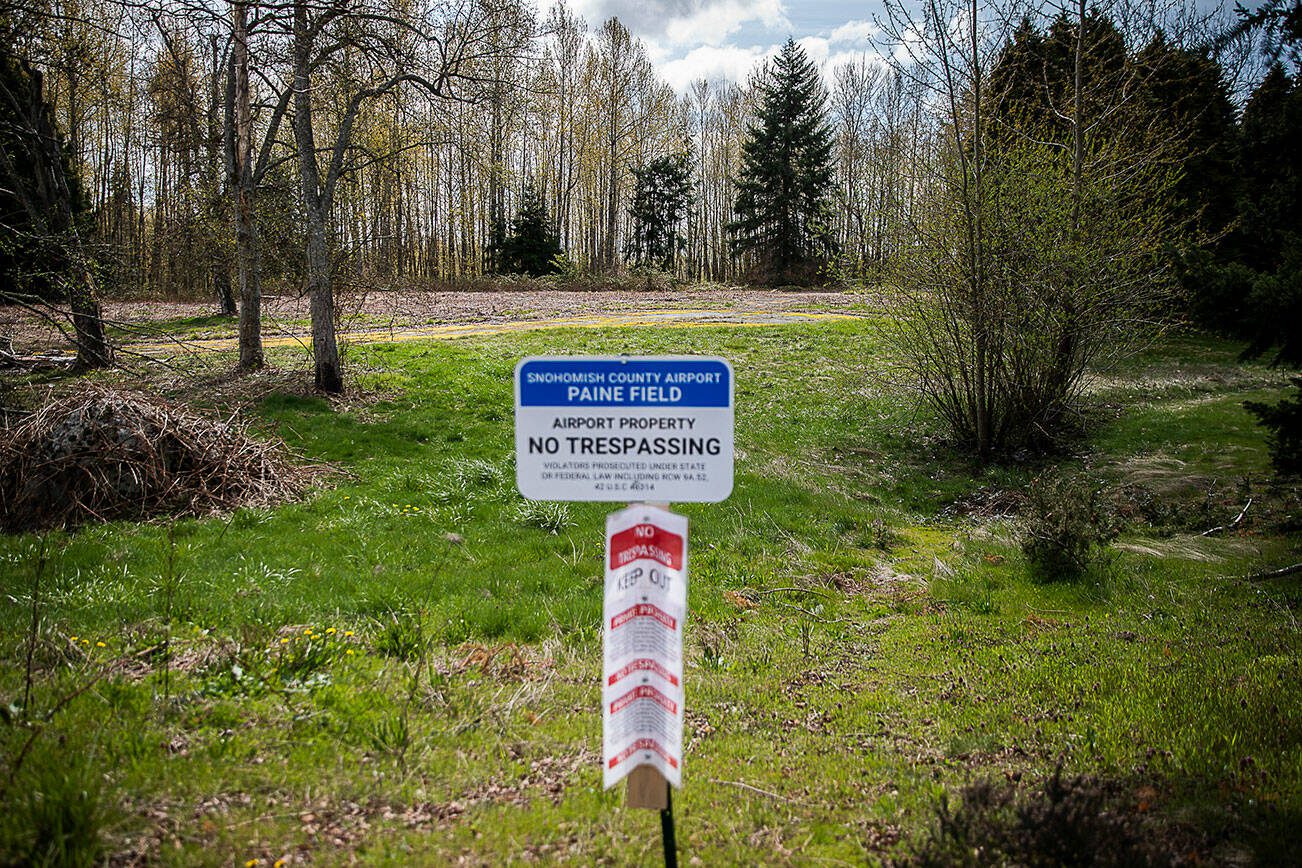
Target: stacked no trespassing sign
{"type": "Point", "coordinates": [642, 675]}
{"type": "Point", "coordinates": [632, 428]}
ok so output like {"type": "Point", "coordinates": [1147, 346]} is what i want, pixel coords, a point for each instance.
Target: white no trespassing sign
{"type": "Point", "coordinates": [642, 635]}
{"type": "Point", "coordinates": [599, 428]}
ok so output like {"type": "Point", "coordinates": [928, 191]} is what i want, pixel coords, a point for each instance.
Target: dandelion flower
{"type": "Point", "coordinates": [100, 645]}
{"type": "Point", "coordinates": [330, 632]}
{"type": "Point", "coordinates": [250, 863]}
{"type": "Point", "coordinates": [284, 641]}
{"type": "Point", "coordinates": [349, 652]}
{"type": "Point", "coordinates": [72, 639]}
{"type": "Point", "coordinates": [348, 633]}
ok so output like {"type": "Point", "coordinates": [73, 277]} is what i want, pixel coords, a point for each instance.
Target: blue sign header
{"type": "Point", "coordinates": [616, 382]}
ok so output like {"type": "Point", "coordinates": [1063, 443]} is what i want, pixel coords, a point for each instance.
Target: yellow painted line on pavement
{"type": "Point", "coordinates": [671, 318]}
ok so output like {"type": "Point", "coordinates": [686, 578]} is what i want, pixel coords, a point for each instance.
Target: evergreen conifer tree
{"type": "Point", "coordinates": [34, 210]}
{"type": "Point", "coordinates": [660, 202]}
{"type": "Point", "coordinates": [786, 173]}
{"type": "Point", "coordinates": [1017, 81]}
{"type": "Point", "coordinates": [1186, 89]}
{"type": "Point", "coordinates": [1270, 169]}
{"type": "Point", "coordinates": [532, 246]}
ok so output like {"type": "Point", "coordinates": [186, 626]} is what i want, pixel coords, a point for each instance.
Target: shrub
{"type": "Point", "coordinates": [1066, 527]}
{"type": "Point", "coordinates": [1283, 421]}
{"type": "Point", "coordinates": [1065, 822]}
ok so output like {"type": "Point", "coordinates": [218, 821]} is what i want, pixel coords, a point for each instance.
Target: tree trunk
{"type": "Point", "coordinates": [984, 435]}
{"type": "Point", "coordinates": [93, 350]}
{"type": "Point", "coordinates": [221, 279]}
{"type": "Point", "coordinates": [240, 142]}
{"type": "Point", "coordinates": [325, 350]}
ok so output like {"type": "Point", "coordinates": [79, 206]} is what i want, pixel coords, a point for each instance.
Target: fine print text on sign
{"type": "Point", "coordinates": [642, 633]}
{"type": "Point", "coordinates": [601, 428]}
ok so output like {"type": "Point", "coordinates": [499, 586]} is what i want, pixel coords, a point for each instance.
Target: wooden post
{"type": "Point", "coordinates": [647, 788]}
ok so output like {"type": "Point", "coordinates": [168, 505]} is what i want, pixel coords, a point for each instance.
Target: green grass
{"type": "Point", "coordinates": [403, 667]}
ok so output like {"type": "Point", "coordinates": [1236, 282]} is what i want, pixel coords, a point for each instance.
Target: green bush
{"type": "Point", "coordinates": [1283, 421]}
{"type": "Point", "coordinates": [1066, 527]}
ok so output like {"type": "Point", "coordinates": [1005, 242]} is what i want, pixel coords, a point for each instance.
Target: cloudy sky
{"type": "Point", "coordinates": [691, 39]}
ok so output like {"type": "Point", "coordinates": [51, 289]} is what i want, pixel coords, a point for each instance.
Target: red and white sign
{"type": "Point", "coordinates": [645, 604]}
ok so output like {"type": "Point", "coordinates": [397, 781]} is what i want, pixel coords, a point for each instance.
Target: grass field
{"type": "Point", "coordinates": [403, 667]}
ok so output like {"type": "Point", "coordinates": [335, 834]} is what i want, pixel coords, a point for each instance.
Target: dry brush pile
{"type": "Point", "coordinates": [102, 454]}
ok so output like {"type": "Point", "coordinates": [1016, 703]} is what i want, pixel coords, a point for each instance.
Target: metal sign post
{"type": "Point", "coordinates": [621, 428]}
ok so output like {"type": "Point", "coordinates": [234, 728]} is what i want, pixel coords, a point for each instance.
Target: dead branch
{"type": "Point", "coordinates": [1237, 521]}
{"type": "Point", "coordinates": [1276, 574]}
{"type": "Point", "coordinates": [101, 454]}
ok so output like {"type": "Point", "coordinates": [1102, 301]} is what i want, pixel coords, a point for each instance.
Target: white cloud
{"type": "Point", "coordinates": [727, 39]}
{"type": "Point", "coordinates": [685, 22]}
{"type": "Point", "coordinates": [713, 24]}
{"type": "Point", "coordinates": [714, 62]}
{"type": "Point", "coordinates": [735, 63]}
{"type": "Point", "coordinates": [816, 47]}
{"type": "Point", "coordinates": [861, 32]}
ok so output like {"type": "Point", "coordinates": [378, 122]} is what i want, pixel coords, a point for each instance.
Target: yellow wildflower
{"type": "Point", "coordinates": [349, 652]}
{"type": "Point", "coordinates": [72, 639]}
{"type": "Point", "coordinates": [284, 641]}
{"type": "Point", "coordinates": [330, 632]}
{"type": "Point", "coordinates": [348, 633]}
{"type": "Point", "coordinates": [100, 645]}
{"type": "Point", "coordinates": [250, 863]}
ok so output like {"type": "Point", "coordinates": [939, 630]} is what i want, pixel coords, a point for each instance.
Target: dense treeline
{"type": "Point", "coordinates": [429, 182]}
{"type": "Point", "coordinates": [145, 95]}
{"type": "Point", "coordinates": [213, 147]}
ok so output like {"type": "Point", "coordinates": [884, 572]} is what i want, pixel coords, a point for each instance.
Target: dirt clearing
{"type": "Point", "coordinates": [372, 315]}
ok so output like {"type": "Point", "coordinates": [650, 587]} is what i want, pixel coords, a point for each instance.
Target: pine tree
{"type": "Point", "coordinates": [42, 207]}
{"type": "Point", "coordinates": [786, 174]}
{"type": "Point", "coordinates": [660, 201]}
{"type": "Point", "coordinates": [1017, 82]}
{"type": "Point", "coordinates": [32, 208]}
{"type": "Point", "coordinates": [1185, 89]}
{"type": "Point", "coordinates": [532, 246]}
{"type": "Point", "coordinates": [1270, 168]}
{"type": "Point", "coordinates": [1269, 246]}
